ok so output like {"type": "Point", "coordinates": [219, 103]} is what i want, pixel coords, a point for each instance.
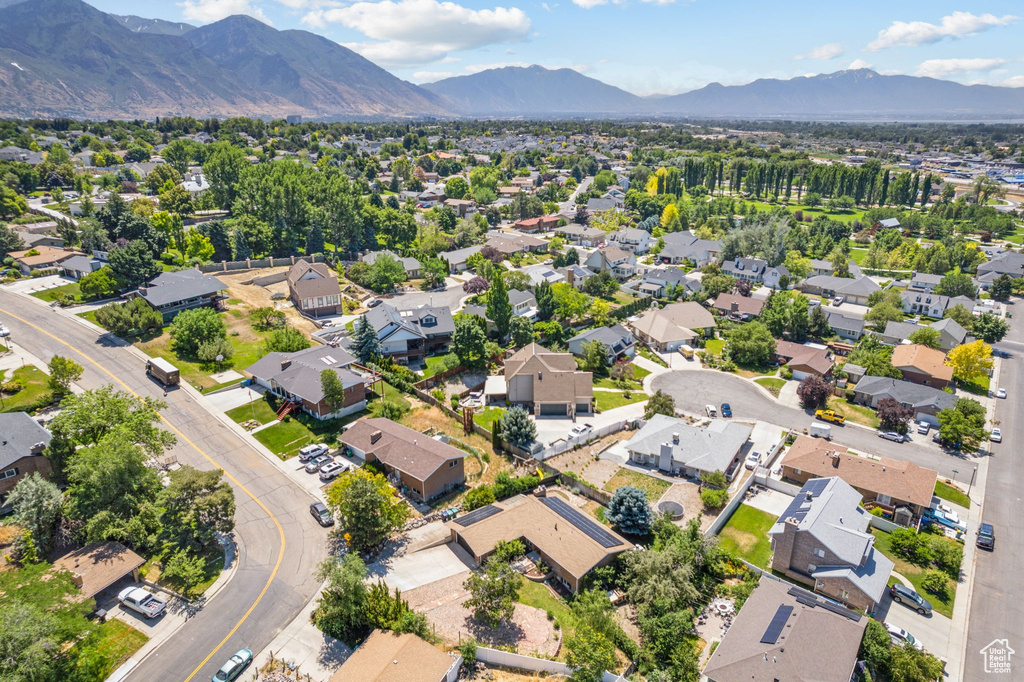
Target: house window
{"type": "Point", "coordinates": [820, 553]}
{"type": "Point", "coordinates": [797, 472]}
{"type": "Point", "coordinates": [451, 464]}
{"type": "Point", "coordinates": [10, 473]}
{"type": "Point", "coordinates": [844, 594]}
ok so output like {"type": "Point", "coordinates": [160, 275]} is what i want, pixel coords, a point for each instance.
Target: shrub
{"type": "Point", "coordinates": [454, 401]}
{"type": "Point", "coordinates": [714, 499]}
{"type": "Point", "coordinates": [508, 550]}
{"type": "Point", "coordinates": [389, 409]}
{"type": "Point", "coordinates": [948, 556]}
{"type": "Point", "coordinates": [478, 497]}
{"type": "Point", "coordinates": [438, 395]}
{"type": "Point", "coordinates": [935, 582]}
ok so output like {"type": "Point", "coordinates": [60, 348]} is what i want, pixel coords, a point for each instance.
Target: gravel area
{"type": "Point", "coordinates": [462, 382]}
{"type": "Point", "coordinates": [582, 463]}
{"type": "Point", "coordinates": [443, 603]}
{"type": "Point", "coordinates": [688, 495]}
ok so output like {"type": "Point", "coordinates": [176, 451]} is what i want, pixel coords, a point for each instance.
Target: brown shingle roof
{"type": "Point", "coordinates": [47, 255]}
{"type": "Point", "coordinates": [555, 377]}
{"type": "Point", "coordinates": [527, 517]}
{"type": "Point", "coordinates": [921, 358]}
{"type": "Point", "coordinates": [898, 479]}
{"type": "Point", "coordinates": [100, 565]}
{"type": "Point", "coordinates": [326, 284]}
{"type": "Point", "coordinates": [390, 657]}
{"type": "Point", "coordinates": [400, 447]}
{"type": "Point", "coordinates": [804, 357]}
{"type": "Point", "coordinates": [744, 304]}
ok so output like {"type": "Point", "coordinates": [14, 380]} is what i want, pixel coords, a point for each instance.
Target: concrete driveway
{"type": "Point", "coordinates": [550, 429]}
{"type": "Point", "coordinates": [409, 571]}
{"type": "Point", "coordinates": [694, 389]}
{"type": "Point", "coordinates": [449, 297]}
{"type": "Point", "coordinates": [932, 631]}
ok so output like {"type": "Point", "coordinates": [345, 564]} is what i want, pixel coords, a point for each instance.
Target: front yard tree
{"type": "Point", "coordinates": [469, 341]}
{"type": "Point", "coordinates": [365, 343]}
{"type": "Point", "coordinates": [521, 330]}
{"type": "Point", "coordinates": [818, 324]}
{"type": "Point", "coordinates": [813, 392]}
{"type": "Point", "coordinates": [493, 592]}
{"type": "Point", "coordinates": [334, 390]}
{"type": "Point", "coordinates": [970, 359]}
{"type": "Point", "coordinates": [517, 427]}
{"type": "Point", "coordinates": [386, 273]}
{"type": "Point", "coordinates": [499, 310]}
{"type": "Point", "coordinates": [63, 373]}
{"type": "Point", "coordinates": [589, 654]}
{"type": "Point", "coordinates": [893, 416]}
{"type": "Point", "coordinates": [963, 426]}
{"type": "Point", "coordinates": [197, 506]}
{"type": "Point", "coordinates": [192, 328]}
{"type": "Point", "coordinates": [660, 403]}
{"type": "Point", "coordinates": [367, 509]}
{"type": "Point", "coordinates": [990, 328]}
{"type": "Point", "coordinates": [98, 284]}
{"type": "Point", "coordinates": [630, 511]}
{"type": "Point", "coordinates": [133, 264]}
{"type": "Point", "coordinates": [955, 284]}
{"type": "Point", "coordinates": [340, 612]}
{"type": "Point", "coordinates": [751, 344]}
{"type": "Point", "coordinates": [961, 315]}
{"type": "Point", "coordinates": [595, 358]}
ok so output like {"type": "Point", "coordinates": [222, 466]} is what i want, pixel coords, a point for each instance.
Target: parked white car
{"type": "Point", "coordinates": [923, 427]}
{"type": "Point", "coordinates": [143, 601]}
{"type": "Point", "coordinates": [1001, 393]}
{"type": "Point", "coordinates": [580, 431]}
{"type": "Point", "coordinates": [331, 470]}
{"type": "Point", "coordinates": [899, 637]}
{"type": "Point", "coordinates": [711, 410]}
{"type": "Point", "coordinates": [997, 436]}
{"type": "Point", "coordinates": [753, 460]}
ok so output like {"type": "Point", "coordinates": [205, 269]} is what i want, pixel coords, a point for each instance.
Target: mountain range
{"type": "Point", "coordinates": [66, 58]}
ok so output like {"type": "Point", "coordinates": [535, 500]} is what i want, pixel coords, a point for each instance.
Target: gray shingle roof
{"type": "Point", "coordinates": [614, 337]}
{"type": "Point", "coordinates": [413, 320]}
{"type": "Point", "coordinates": [862, 286]}
{"type": "Point", "coordinates": [172, 287]}
{"type": "Point", "coordinates": [906, 392]}
{"type": "Point", "coordinates": [840, 321]}
{"type": "Point", "coordinates": [18, 434]}
{"type": "Point", "coordinates": [706, 449]}
{"type": "Point", "coordinates": [302, 376]}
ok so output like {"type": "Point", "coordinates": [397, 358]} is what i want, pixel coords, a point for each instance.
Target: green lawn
{"type": "Point", "coordinates": [979, 385]}
{"type": "Point", "coordinates": [113, 643]}
{"type": "Point", "coordinates": [854, 413]}
{"type": "Point", "coordinates": [645, 353]}
{"type": "Point", "coordinates": [858, 255]}
{"type": "Point", "coordinates": [50, 295]}
{"type": "Point", "coordinates": [434, 366]}
{"type": "Point", "coordinates": [487, 417]}
{"type": "Point", "coordinates": [35, 389]}
{"type": "Point", "coordinates": [715, 346]}
{"type": "Point", "coordinates": [951, 494]}
{"type": "Point", "coordinates": [915, 574]}
{"type": "Point", "coordinates": [260, 408]}
{"type": "Point", "coordinates": [285, 439]}
{"type": "Point", "coordinates": [772, 384]}
{"type": "Point", "coordinates": [746, 535]}
{"type": "Point", "coordinates": [654, 487]}
{"type": "Point", "coordinates": [609, 400]}
{"type": "Point", "coordinates": [91, 316]}
{"type": "Point", "coordinates": [152, 570]}
{"type": "Point", "coordinates": [392, 393]}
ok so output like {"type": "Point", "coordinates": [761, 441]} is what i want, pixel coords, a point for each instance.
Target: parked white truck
{"type": "Point", "coordinates": [143, 601]}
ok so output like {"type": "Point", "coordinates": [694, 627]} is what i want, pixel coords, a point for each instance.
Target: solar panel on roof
{"type": "Point", "coordinates": [584, 523]}
{"type": "Point", "coordinates": [771, 635]}
{"type": "Point", "coordinates": [477, 515]}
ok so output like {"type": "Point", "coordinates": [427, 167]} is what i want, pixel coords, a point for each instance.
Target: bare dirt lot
{"type": "Point", "coordinates": [582, 463]}
{"type": "Point", "coordinates": [257, 296]}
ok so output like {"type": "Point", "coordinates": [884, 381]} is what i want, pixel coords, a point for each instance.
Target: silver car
{"type": "Point", "coordinates": [314, 465]}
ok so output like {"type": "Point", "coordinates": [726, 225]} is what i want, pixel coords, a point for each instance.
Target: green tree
{"type": "Point", "coordinates": [365, 344]}
{"type": "Point", "coordinates": [285, 340]}
{"type": "Point", "coordinates": [990, 328]}
{"type": "Point", "coordinates": [63, 373]}
{"type": "Point", "coordinates": [926, 336]}
{"type": "Point", "coordinates": [315, 240]}
{"type": "Point", "coordinates": [124, 319]}
{"type": "Point", "coordinates": [545, 301]}
{"type": "Point", "coordinates": [751, 344]}
{"type": "Point", "coordinates": [571, 305]}
{"type": "Point", "coordinates": [630, 511]}
{"type": "Point", "coordinates": [160, 176]}
{"type": "Point", "coordinates": [660, 403]}
{"type": "Point", "coordinates": [469, 341]}
{"type": "Point", "coordinates": [9, 241]}
{"type": "Point", "coordinates": [521, 331]}
{"type": "Point", "coordinates": [36, 506]}
{"type": "Point", "coordinates": [1002, 287]}
{"type": "Point", "coordinates": [385, 273]}
{"type": "Point", "coordinates": [589, 654]}
{"type": "Point", "coordinates": [197, 247]}
{"type": "Point", "coordinates": [184, 569]}
{"type": "Point", "coordinates": [223, 168]}
{"type": "Point", "coordinates": [217, 351]}
{"type": "Point", "coordinates": [956, 283]}
{"type": "Point", "coordinates": [493, 592]}
{"type": "Point", "coordinates": [456, 188]}
{"type": "Point", "coordinates": [340, 611]}
{"type": "Point", "coordinates": [194, 327]}
{"type": "Point", "coordinates": [517, 427]}
{"type": "Point", "coordinates": [198, 505]}
{"type": "Point", "coordinates": [818, 326]}
{"type": "Point", "coordinates": [366, 508]}
{"type": "Point", "coordinates": [98, 284]}
{"type": "Point", "coordinates": [961, 315]}
{"type": "Point", "coordinates": [970, 360]}
{"type": "Point", "coordinates": [220, 237]}
{"type": "Point", "coordinates": [133, 264]}
{"type": "Point", "coordinates": [333, 389]}
{"type": "Point", "coordinates": [595, 358]}
{"type": "Point", "coordinates": [960, 429]}
{"type": "Point", "coordinates": [499, 310]}
{"type": "Point", "coordinates": [241, 245]}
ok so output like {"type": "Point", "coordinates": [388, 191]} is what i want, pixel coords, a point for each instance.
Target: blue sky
{"type": "Point", "coordinates": [648, 46]}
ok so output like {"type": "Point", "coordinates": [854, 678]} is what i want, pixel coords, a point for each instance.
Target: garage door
{"type": "Point", "coordinates": [554, 409]}
{"type": "Point", "coordinates": [583, 408]}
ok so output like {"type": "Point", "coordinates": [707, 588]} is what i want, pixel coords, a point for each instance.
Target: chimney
{"type": "Point", "coordinates": [285, 364]}
{"type": "Point", "coordinates": [675, 438]}
{"type": "Point", "coordinates": [734, 306]}
{"type": "Point", "coordinates": [375, 436]}
{"type": "Point", "coordinates": [36, 449]}
{"type": "Point", "coordinates": [76, 578]}
{"type": "Point", "coordinates": [809, 495]}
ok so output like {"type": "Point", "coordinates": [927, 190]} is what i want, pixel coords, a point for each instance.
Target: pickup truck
{"type": "Point", "coordinates": [146, 603]}
{"type": "Point", "coordinates": [830, 416]}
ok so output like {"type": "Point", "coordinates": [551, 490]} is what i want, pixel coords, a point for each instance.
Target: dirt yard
{"type": "Point", "coordinates": [688, 495]}
{"type": "Point", "coordinates": [427, 416]}
{"type": "Point", "coordinates": [443, 603]}
{"type": "Point", "coordinates": [582, 463]}
{"type": "Point", "coordinates": [257, 296]}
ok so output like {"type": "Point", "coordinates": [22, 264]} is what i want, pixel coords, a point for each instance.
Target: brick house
{"type": "Point", "coordinates": [22, 441]}
{"type": "Point", "coordinates": [296, 377]}
{"type": "Point", "coordinates": [313, 289]}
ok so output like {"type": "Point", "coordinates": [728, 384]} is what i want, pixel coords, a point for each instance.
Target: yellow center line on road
{"type": "Point", "coordinates": [280, 530]}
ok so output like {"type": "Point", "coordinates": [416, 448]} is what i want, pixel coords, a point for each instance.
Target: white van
{"type": "Point", "coordinates": [711, 411]}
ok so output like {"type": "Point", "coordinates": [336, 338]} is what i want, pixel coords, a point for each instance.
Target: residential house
{"type": "Point", "coordinates": [820, 267]}
{"type": "Point", "coordinates": [508, 244]}
{"type": "Point", "coordinates": [547, 383]}
{"type": "Point", "coordinates": [618, 342]}
{"type": "Point", "coordinates": [775, 275]}
{"type": "Point", "coordinates": [40, 258]}
{"type": "Point", "coordinates": [78, 267]}
{"type": "Point", "coordinates": [171, 292]}
{"type": "Point", "coordinates": [786, 633]}
{"type": "Point", "coordinates": [410, 336]}
{"type": "Point", "coordinates": [542, 273]}
{"type": "Point", "coordinates": [951, 334]}
{"type": "Point", "coordinates": [12, 153]}
{"type": "Point", "coordinates": [822, 539]}
{"type": "Point", "coordinates": [666, 329]}
{"type": "Point", "coordinates": [925, 401]}
{"type": "Point", "coordinates": [923, 281]}
{"type": "Point", "coordinates": [96, 567]}
{"type": "Point", "coordinates": [508, 192]}
{"type": "Point", "coordinates": [617, 262]}
{"type": "Point", "coordinates": [314, 289]}
{"type": "Point", "coordinates": [22, 441]}
{"type": "Point", "coordinates": [595, 205]}
{"type": "Point", "coordinates": [750, 269]}
{"type": "Point", "coordinates": [925, 304]}
{"type": "Point", "coordinates": [576, 275]}
{"type": "Point", "coordinates": [632, 239]}
{"type": "Point", "coordinates": [742, 307]}
{"type": "Point", "coordinates": [881, 481]}
{"type": "Point", "coordinates": [675, 447]}
{"type": "Point", "coordinates": [570, 543]}
{"type": "Point", "coordinates": [805, 359]}
{"type": "Point", "coordinates": [457, 259]}
{"type": "Point", "coordinates": [852, 290]}
{"type": "Point", "coordinates": [922, 365]}
{"type": "Point", "coordinates": [887, 223]}
{"type": "Point", "coordinates": [540, 224]}
{"type": "Point", "coordinates": [33, 240]}
{"type": "Point", "coordinates": [423, 467]}
{"type": "Point", "coordinates": [388, 656]}
{"type": "Point", "coordinates": [411, 265]}
{"type": "Point", "coordinates": [657, 281]}
{"type": "Point", "coordinates": [849, 328]}
{"type": "Point", "coordinates": [429, 198]}
{"type": "Point", "coordinates": [582, 236]}
{"type": "Point", "coordinates": [296, 377]}
{"type": "Point", "coordinates": [684, 246]}
{"type": "Point", "coordinates": [463, 207]}
{"type": "Point", "coordinates": [1009, 263]}
{"type": "Point", "coordinates": [523, 304]}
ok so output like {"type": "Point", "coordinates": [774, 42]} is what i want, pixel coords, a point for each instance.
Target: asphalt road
{"type": "Point", "coordinates": [995, 613]}
{"type": "Point", "coordinates": [279, 544]}
{"type": "Point", "coordinates": [693, 389]}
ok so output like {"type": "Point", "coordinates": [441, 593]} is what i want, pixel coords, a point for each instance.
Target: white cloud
{"type": "Point", "coordinates": [938, 68]}
{"type": "Point", "coordinates": [858, 64]}
{"type": "Point", "coordinates": [450, 60]}
{"type": "Point", "coordinates": [591, 4]}
{"type": "Point", "coordinates": [956, 25]}
{"type": "Point", "coordinates": [422, 31]}
{"type": "Point", "coordinates": [1011, 82]}
{"type": "Point", "coordinates": [431, 76]}
{"type": "Point", "coordinates": [207, 11]}
{"type": "Point", "coordinates": [305, 4]}
{"type": "Point", "coordinates": [828, 51]}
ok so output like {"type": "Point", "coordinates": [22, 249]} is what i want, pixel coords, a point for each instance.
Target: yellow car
{"type": "Point", "coordinates": [830, 416]}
